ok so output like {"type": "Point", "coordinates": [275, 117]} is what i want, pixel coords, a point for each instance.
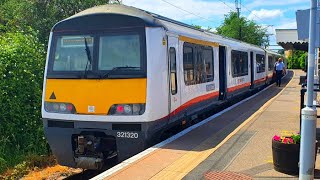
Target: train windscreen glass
{"type": "Point", "coordinates": [100, 55]}
{"type": "Point", "coordinates": [119, 51]}
{"type": "Point", "coordinates": [71, 55]}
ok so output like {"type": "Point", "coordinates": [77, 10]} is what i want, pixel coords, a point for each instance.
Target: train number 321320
{"type": "Point", "coordinates": [131, 135]}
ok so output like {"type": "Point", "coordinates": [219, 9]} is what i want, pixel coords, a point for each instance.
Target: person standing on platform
{"type": "Point", "coordinates": [280, 70]}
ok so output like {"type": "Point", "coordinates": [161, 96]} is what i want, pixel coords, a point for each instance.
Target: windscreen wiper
{"type": "Point", "coordinates": [89, 60]}
{"type": "Point", "coordinates": [117, 68]}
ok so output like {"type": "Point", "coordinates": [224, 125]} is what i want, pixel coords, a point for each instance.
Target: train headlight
{"type": "Point", "coordinates": [57, 107]}
{"type": "Point", "coordinates": [63, 107]}
{"type": "Point", "coordinates": [127, 109]}
{"type": "Point", "coordinates": [136, 108]}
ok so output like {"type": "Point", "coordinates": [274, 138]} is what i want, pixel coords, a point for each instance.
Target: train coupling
{"type": "Point", "coordinates": [92, 150]}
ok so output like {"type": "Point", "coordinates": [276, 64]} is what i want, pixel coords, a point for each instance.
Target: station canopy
{"type": "Point", "coordinates": [288, 40]}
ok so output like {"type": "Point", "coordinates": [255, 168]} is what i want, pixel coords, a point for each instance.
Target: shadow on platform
{"type": "Point", "coordinates": [213, 132]}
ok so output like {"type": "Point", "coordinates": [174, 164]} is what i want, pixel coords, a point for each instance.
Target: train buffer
{"type": "Point", "coordinates": [233, 144]}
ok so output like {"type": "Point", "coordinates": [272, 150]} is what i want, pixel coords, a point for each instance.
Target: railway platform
{"type": "Point", "coordinates": [233, 144]}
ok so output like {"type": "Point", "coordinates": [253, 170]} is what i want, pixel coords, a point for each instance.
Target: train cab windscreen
{"type": "Point", "coordinates": [97, 56]}
{"type": "Point", "coordinates": [71, 53]}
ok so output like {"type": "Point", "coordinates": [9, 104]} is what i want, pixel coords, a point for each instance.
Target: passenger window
{"type": "Point", "coordinates": [188, 65]}
{"type": "Point", "coordinates": [173, 70]}
{"type": "Point", "coordinates": [200, 69]}
{"type": "Point", "coordinates": [260, 63]}
{"type": "Point", "coordinates": [270, 63]}
{"type": "Point", "coordinates": [239, 63]}
{"type": "Point", "coordinates": [208, 61]}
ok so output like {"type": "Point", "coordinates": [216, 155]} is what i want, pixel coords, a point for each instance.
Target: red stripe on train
{"type": "Point", "coordinates": [195, 101]}
{"type": "Point", "coordinates": [259, 80]}
{"type": "Point", "coordinates": [203, 98]}
{"type": "Point", "coordinates": [238, 87]}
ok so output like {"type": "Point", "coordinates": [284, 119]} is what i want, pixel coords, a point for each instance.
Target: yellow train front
{"type": "Point", "coordinates": [96, 103]}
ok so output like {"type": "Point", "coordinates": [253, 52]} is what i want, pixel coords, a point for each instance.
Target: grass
{"type": "Point", "coordinates": [24, 147]}
{"type": "Point", "coordinates": [21, 153]}
{"type": "Point", "coordinates": [31, 163]}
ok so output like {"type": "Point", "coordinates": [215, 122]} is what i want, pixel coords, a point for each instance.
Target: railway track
{"type": "Point", "coordinates": [88, 174]}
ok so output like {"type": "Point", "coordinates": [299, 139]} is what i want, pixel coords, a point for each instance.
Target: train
{"type": "Point", "coordinates": [118, 77]}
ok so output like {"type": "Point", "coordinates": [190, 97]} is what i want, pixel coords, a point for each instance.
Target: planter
{"type": "Point", "coordinates": [286, 157]}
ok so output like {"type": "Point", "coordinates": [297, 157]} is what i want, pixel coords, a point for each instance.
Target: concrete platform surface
{"type": "Point", "coordinates": [233, 145]}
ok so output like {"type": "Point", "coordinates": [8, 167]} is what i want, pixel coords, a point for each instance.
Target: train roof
{"type": "Point", "coordinates": [155, 20]}
{"type": "Point", "coordinates": [273, 53]}
{"type": "Point", "coordinates": [121, 10]}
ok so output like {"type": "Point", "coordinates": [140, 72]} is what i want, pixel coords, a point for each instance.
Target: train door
{"type": "Point", "coordinates": [174, 86]}
{"type": "Point", "coordinates": [252, 70]}
{"type": "Point", "coordinates": [222, 73]}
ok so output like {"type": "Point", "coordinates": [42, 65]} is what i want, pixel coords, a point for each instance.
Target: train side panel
{"type": "Point", "coordinates": [237, 84]}
{"type": "Point", "coordinates": [157, 79]}
{"type": "Point", "coordinates": [198, 96]}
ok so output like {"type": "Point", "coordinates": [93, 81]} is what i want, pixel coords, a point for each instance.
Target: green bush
{"type": "Point", "coordinates": [302, 60]}
{"type": "Point", "coordinates": [22, 60]}
{"type": "Point", "coordinates": [297, 60]}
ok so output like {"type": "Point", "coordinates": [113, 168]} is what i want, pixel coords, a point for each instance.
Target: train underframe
{"type": "Point", "coordinates": [89, 145]}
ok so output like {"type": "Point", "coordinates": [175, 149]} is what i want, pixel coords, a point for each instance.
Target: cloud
{"type": "Point", "coordinates": [288, 25]}
{"type": "Point", "coordinates": [211, 11]}
{"type": "Point", "coordinates": [265, 14]}
{"type": "Point", "coordinates": [264, 3]}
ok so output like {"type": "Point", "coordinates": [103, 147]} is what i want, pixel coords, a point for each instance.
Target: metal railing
{"type": "Point", "coordinates": [302, 95]}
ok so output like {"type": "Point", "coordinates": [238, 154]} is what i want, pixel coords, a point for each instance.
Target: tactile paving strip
{"type": "Point", "coordinates": [225, 175]}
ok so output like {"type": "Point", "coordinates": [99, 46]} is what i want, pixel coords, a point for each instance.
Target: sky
{"type": "Point", "coordinates": [270, 14]}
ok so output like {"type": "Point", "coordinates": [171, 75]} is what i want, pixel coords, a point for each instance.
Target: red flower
{"type": "Point", "coordinates": [293, 139]}
{"type": "Point", "coordinates": [276, 138]}
{"type": "Point", "coordinates": [290, 140]}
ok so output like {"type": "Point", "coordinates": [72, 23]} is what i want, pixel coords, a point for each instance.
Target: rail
{"type": "Point", "coordinates": [302, 95]}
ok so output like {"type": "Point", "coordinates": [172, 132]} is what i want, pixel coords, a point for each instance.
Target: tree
{"type": "Point", "coordinates": [242, 29]}
{"type": "Point", "coordinates": [40, 15]}
{"type": "Point", "coordinates": [303, 59]}
{"type": "Point", "coordinates": [297, 60]}
{"type": "Point", "coordinates": [21, 76]}
{"type": "Point", "coordinates": [196, 26]}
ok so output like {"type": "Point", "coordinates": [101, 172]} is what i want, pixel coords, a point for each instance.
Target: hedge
{"type": "Point", "coordinates": [22, 60]}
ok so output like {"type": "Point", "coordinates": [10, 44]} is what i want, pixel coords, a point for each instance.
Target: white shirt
{"type": "Point", "coordinates": [279, 66]}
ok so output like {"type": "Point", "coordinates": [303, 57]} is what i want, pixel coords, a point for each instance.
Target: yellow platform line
{"type": "Point", "coordinates": [192, 159]}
